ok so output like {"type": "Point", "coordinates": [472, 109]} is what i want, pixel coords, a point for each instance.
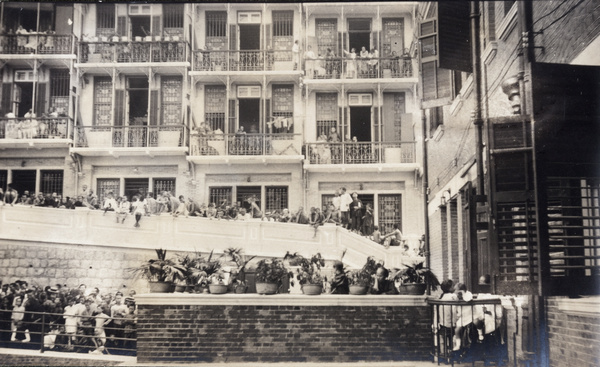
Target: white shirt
{"type": "Point", "coordinates": [346, 199]}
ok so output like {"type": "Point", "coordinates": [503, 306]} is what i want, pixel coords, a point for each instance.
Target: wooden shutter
{"type": "Point", "coordinates": [119, 107]}
{"type": "Point", "coordinates": [233, 36]}
{"type": "Point", "coordinates": [40, 101]}
{"type": "Point", "coordinates": [232, 116]}
{"type": "Point", "coordinates": [340, 42]}
{"type": "Point", "coordinates": [154, 108]}
{"type": "Point", "coordinates": [375, 136]}
{"type": "Point", "coordinates": [406, 127]}
{"type": "Point", "coordinates": [5, 103]}
{"type": "Point", "coordinates": [156, 26]}
{"type": "Point", "coordinates": [268, 113]}
{"type": "Point", "coordinates": [268, 38]}
{"type": "Point", "coordinates": [122, 26]}
{"type": "Point", "coordinates": [454, 35]}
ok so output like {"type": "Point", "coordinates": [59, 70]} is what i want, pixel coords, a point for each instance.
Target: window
{"type": "Point", "coordinates": [283, 34]}
{"type": "Point", "coordinates": [390, 212]}
{"type": "Point", "coordinates": [51, 181]}
{"type": "Point", "coordinates": [326, 200]}
{"type": "Point", "coordinates": [248, 91]}
{"type": "Point", "coordinates": [59, 90]}
{"type": "Point", "coordinates": [216, 24]}
{"type": "Point", "coordinates": [360, 99]}
{"type": "Point", "coordinates": [326, 32]}
{"type": "Point", "coordinates": [283, 108]}
{"type": "Point", "coordinates": [161, 185]}
{"type": "Point", "coordinates": [489, 23]}
{"type": "Point", "coordinates": [102, 101]}
{"type": "Point", "coordinates": [393, 36]}
{"type": "Point", "coordinates": [249, 17]}
{"type": "Point", "coordinates": [277, 198]}
{"type": "Point", "coordinates": [215, 99]}
{"type": "Point", "coordinates": [173, 16]}
{"type": "Point", "coordinates": [105, 16]}
{"type": "Point", "coordinates": [171, 88]}
{"type": "Point", "coordinates": [327, 112]}
{"type": "Point", "coordinates": [220, 196]}
{"type": "Point", "coordinates": [106, 185]}
{"type": "Point", "coordinates": [436, 118]}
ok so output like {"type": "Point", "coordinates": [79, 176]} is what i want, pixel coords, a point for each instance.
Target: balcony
{"type": "Point", "coordinates": [392, 155]}
{"type": "Point", "coordinates": [37, 43]}
{"type": "Point", "coordinates": [265, 148]}
{"type": "Point", "coordinates": [39, 132]}
{"type": "Point", "coordinates": [249, 60]}
{"type": "Point", "coordinates": [121, 50]}
{"type": "Point", "coordinates": [359, 68]}
{"type": "Point", "coordinates": [131, 140]}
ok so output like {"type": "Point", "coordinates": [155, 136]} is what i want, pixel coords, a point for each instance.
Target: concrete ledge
{"type": "Point", "coordinates": [252, 299]}
{"type": "Point", "coordinates": [586, 305]}
{"type": "Point", "coordinates": [103, 359]}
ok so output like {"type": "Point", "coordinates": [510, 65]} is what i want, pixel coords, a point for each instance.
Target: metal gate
{"type": "Point", "coordinates": [390, 212]}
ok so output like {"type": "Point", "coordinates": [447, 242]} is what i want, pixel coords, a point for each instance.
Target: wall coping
{"type": "Point", "coordinates": [585, 305]}
{"type": "Point", "coordinates": [253, 299]}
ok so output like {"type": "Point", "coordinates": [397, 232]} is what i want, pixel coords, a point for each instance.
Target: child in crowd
{"type": "Point", "coordinates": [101, 319]}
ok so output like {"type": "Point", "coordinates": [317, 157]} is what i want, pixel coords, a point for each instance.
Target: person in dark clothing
{"type": "Point", "coordinates": [382, 284]}
{"type": "Point", "coordinates": [339, 283]}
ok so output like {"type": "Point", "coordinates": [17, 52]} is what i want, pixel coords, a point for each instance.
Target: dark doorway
{"type": "Point", "coordinates": [140, 26]}
{"type": "Point", "coordinates": [136, 186]}
{"type": "Point", "coordinates": [250, 37]}
{"type": "Point", "coordinates": [359, 34]}
{"type": "Point", "coordinates": [24, 180]}
{"type": "Point", "coordinates": [23, 97]}
{"type": "Point", "coordinates": [250, 114]}
{"type": "Point", "coordinates": [360, 123]}
{"type": "Point", "coordinates": [246, 192]}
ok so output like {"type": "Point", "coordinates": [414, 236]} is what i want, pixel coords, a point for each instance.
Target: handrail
{"type": "Point", "coordinates": [323, 152]}
{"type": "Point", "coordinates": [241, 60]}
{"type": "Point", "coordinates": [132, 136]}
{"type": "Point", "coordinates": [36, 128]}
{"type": "Point", "coordinates": [133, 51]}
{"type": "Point", "coordinates": [246, 144]}
{"type": "Point", "coordinates": [37, 43]}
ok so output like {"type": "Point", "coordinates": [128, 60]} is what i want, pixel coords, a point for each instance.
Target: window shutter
{"type": "Point", "coordinates": [5, 103]}
{"type": "Point", "coordinates": [267, 34]}
{"type": "Point", "coordinates": [406, 127]}
{"type": "Point", "coordinates": [154, 108]}
{"type": "Point", "coordinates": [156, 28]}
{"type": "Point", "coordinates": [41, 100]}
{"type": "Point", "coordinates": [376, 123]}
{"type": "Point", "coordinates": [437, 85]}
{"type": "Point", "coordinates": [232, 116]}
{"type": "Point", "coordinates": [454, 35]}
{"type": "Point", "coordinates": [340, 44]}
{"type": "Point", "coordinates": [233, 37]}
{"type": "Point", "coordinates": [119, 107]}
{"type": "Point", "coordinates": [122, 26]}
{"type": "Point", "coordinates": [268, 116]}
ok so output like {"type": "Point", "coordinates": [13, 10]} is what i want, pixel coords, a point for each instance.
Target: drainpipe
{"type": "Point", "coordinates": [476, 115]}
{"type": "Point", "coordinates": [425, 191]}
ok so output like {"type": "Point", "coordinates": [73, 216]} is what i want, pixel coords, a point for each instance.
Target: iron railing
{"type": "Point", "coordinates": [123, 51]}
{"type": "Point", "coordinates": [46, 331]}
{"type": "Point", "coordinates": [166, 136]}
{"type": "Point", "coordinates": [37, 43]}
{"type": "Point", "coordinates": [360, 152]}
{"type": "Point", "coordinates": [247, 60]}
{"type": "Point", "coordinates": [36, 128]}
{"type": "Point", "coordinates": [359, 68]}
{"type": "Point", "coordinates": [246, 144]}
{"type": "Point", "coordinates": [469, 331]}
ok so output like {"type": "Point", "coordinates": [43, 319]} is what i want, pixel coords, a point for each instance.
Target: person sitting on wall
{"type": "Point", "coordinates": [393, 238]}
{"type": "Point", "coordinates": [381, 284]}
{"type": "Point", "coordinates": [339, 283]}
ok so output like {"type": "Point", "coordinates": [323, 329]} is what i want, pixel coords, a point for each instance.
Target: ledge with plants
{"type": "Point", "coordinates": [161, 273]}
{"type": "Point", "coordinates": [309, 274]}
{"type": "Point", "coordinates": [269, 275]}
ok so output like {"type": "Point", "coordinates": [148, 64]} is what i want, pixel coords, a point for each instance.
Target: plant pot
{"type": "Point", "coordinates": [160, 287]}
{"type": "Point", "coordinates": [241, 289]}
{"type": "Point", "coordinates": [200, 289]}
{"type": "Point", "coordinates": [359, 290]}
{"type": "Point", "coordinates": [312, 289]}
{"type": "Point", "coordinates": [217, 288]}
{"type": "Point", "coordinates": [266, 288]}
{"type": "Point", "coordinates": [416, 289]}
{"type": "Point", "coordinates": [180, 288]}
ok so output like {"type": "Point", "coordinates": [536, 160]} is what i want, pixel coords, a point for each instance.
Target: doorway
{"type": "Point", "coordinates": [250, 37]}
{"type": "Point", "coordinates": [140, 26]}
{"type": "Point", "coordinates": [136, 186]}
{"type": "Point", "coordinates": [249, 111]}
{"type": "Point", "coordinates": [360, 123]}
{"type": "Point", "coordinates": [138, 100]}
{"type": "Point", "coordinates": [246, 192]}
{"type": "Point", "coordinates": [23, 180]}
{"type": "Point", "coordinates": [23, 94]}
{"type": "Point", "coordinates": [359, 34]}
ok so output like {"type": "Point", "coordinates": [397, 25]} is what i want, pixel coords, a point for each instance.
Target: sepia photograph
{"type": "Point", "coordinates": [311, 184]}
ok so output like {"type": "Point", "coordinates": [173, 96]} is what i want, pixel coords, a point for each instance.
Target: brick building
{"type": "Point", "coordinates": [512, 164]}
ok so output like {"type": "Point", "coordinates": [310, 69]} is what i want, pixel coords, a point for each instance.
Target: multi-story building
{"type": "Point", "coordinates": [216, 101]}
{"type": "Point", "coordinates": [510, 96]}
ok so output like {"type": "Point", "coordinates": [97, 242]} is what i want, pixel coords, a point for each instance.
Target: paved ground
{"type": "Point", "coordinates": [285, 364]}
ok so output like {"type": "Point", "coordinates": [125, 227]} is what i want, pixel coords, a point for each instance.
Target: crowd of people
{"type": "Point", "coordinates": [345, 210]}
{"type": "Point", "coordinates": [79, 319]}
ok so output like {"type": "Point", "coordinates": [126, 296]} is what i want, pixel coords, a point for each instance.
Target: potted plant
{"type": "Point", "coordinates": [218, 282]}
{"type": "Point", "coordinates": [238, 273]}
{"type": "Point", "coordinates": [413, 279]}
{"type": "Point", "coordinates": [199, 269]}
{"type": "Point", "coordinates": [361, 280]}
{"type": "Point", "coordinates": [309, 274]}
{"type": "Point", "coordinates": [269, 275]}
{"type": "Point", "coordinates": [160, 272]}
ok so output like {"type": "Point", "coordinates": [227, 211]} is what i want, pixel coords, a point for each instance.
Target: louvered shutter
{"type": "Point", "coordinates": [41, 101]}
{"type": "Point", "coordinates": [232, 116]}
{"type": "Point", "coordinates": [154, 108]}
{"type": "Point", "coordinates": [119, 107]}
{"type": "Point", "coordinates": [454, 35]}
{"type": "Point", "coordinates": [156, 26]}
{"type": "Point", "coordinates": [233, 36]}
{"type": "Point", "coordinates": [340, 42]}
{"type": "Point", "coordinates": [5, 103]}
{"type": "Point", "coordinates": [268, 117]}
{"type": "Point", "coordinates": [376, 123]}
{"type": "Point", "coordinates": [122, 26]}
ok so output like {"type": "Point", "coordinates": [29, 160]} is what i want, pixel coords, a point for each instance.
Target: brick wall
{"type": "Point", "coordinates": [283, 333]}
{"type": "Point", "coordinates": [573, 335]}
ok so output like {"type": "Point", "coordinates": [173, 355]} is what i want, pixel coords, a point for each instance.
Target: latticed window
{"type": "Point", "coordinates": [327, 112]}
{"type": "Point", "coordinates": [390, 212]}
{"type": "Point", "coordinates": [59, 90]}
{"type": "Point", "coordinates": [215, 102]}
{"type": "Point", "coordinates": [105, 19]}
{"type": "Point", "coordinates": [102, 101]}
{"type": "Point", "coordinates": [283, 108]}
{"type": "Point", "coordinates": [277, 198]}
{"type": "Point", "coordinates": [326, 200]}
{"type": "Point", "coordinates": [171, 88]}
{"type": "Point", "coordinates": [161, 185]}
{"type": "Point", "coordinates": [393, 31]}
{"type": "Point", "coordinates": [326, 35]}
{"type": "Point", "coordinates": [106, 185]}
{"type": "Point", "coordinates": [173, 16]}
{"type": "Point", "coordinates": [220, 195]}
{"type": "Point", "coordinates": [283, 34]}
{"type": "Point", "coordinates": [216, 30]}
{"type": "Point", "coordinates": [52, 181]}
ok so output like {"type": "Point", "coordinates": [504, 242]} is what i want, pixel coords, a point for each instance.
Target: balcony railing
{"type": "Point", "coordinates": [36, 128]}
{"type": "Point", "coordinates": [37, 43]}
{"type": "Point", "coordinates": [359, 68]}
{"type": "Point", "coordinates": [360, 153]}
{"type": "Point", "coordinates": [246, 144]}
{"type": "Point", "coordinates": [248, 60]}
{"type": "Point", "coordinates": [123, 51]}
{"type": "Point", "coordinates": [131, 136]}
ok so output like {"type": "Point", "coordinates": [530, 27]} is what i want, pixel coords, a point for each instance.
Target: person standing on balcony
{"type": "Point", "coordinates": [334, 138]}
{"type": "Point", "coordinates": [351, 63]}
{"type": "Point", "coordinates": [329, 63]}
{"type": "Point", "coordinates": [11, 195]}
{"type": "Point", "coordinates": [362, 65]}
{"type": "Point", "coordinates": [374, 60]}
{"type": "Point", "coordinates": [296, 54]}
{"type": "Point", "coordinates": [309, 63]}
{"type": "Point", "coordinates": [345, 201]}
{"type": "Point", "coordinates": [337, 200]}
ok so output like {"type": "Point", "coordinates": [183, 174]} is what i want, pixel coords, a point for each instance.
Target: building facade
{"type": "Point", "coordinates": [219, 102]}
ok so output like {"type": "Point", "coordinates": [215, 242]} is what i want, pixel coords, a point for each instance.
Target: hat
{"type": "Point", "coordinates": [129, 299]}
{"type": "Point", "coordinates": [53, 290]}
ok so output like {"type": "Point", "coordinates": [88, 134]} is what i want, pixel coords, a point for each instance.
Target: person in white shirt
{"type": "Point", "coordinates": [110, 204]}
{"type": "Point", "coordinates": [296, 54]}
{"type": "Point", "coordinates": [345, 200]}
{"type": "Point", "coordinates": [139, 209]}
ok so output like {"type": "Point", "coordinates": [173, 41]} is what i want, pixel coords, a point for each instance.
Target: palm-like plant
{"type": "Point", "coordinates": [241, 261]}
{"type": "Point", "coordinates": [160, 269]}
{"type": "Point", "coordinates": [415, 274]}
{"type": "Point", "coordinates": [199, 268]}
